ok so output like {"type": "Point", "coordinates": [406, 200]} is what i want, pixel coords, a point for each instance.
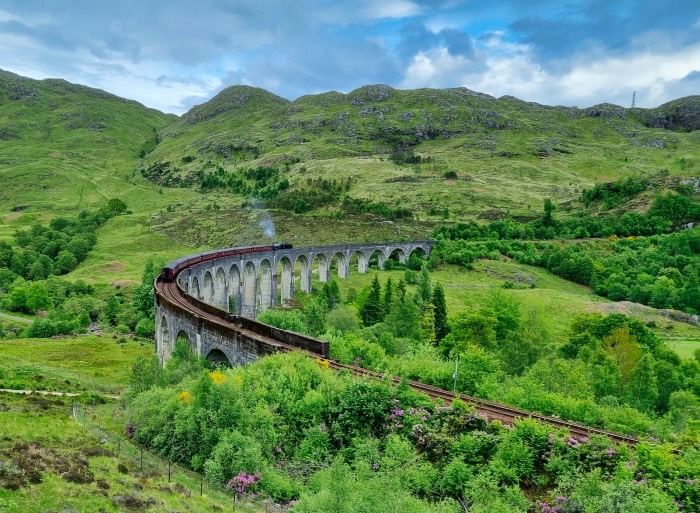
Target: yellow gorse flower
{"type": "Point", "coordinates": [185, 397]}
{"type": "Point", "coordinates": [323, 363]}
{"type": "Point", "coordinates": [217, 376]}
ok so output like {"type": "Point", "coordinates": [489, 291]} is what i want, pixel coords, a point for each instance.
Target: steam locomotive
{"type": "Point", "coordinates": [171, 270]}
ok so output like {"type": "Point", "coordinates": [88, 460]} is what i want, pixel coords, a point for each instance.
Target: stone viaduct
{"type": "Point", "coordinates": [235, 288]}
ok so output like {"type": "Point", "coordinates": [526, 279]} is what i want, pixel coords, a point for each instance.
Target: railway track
{"type": "Point", "coordinates": [492, 411]}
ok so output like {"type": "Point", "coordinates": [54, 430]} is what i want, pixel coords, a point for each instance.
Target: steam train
{"type": "Point", "coordinates": [171, 269]}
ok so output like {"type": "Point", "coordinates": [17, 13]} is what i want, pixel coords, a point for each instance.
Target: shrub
{"type": "Point", "coordinates": [41, 328]}
{"type": "Point", "coordinates": [146, 328]}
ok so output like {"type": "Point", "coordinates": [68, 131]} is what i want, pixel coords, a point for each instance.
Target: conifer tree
{"type": "Point", "coordinates": [372, 311]}
{"type": "Point", "coordinates": [438, 301]}
{"type": "Point", "coordinates": [388, 295]}
{"type": "Point", "coordinates": [401, 290]}
{"type": "Point", "coordinates": [424, 288]}
{"type": "Point", "coordinates": [331, 291]}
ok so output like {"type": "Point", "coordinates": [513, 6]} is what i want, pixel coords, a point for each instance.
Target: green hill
{"type": "Point", "coordinates": [479, 156]}
{"type": "Point", "coordinates": [64, 145]}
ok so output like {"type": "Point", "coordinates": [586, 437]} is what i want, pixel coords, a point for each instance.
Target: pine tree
{"type": "Point", "coordinates": [372, 311]}
{"type": "Point", "coordinates": [438, 301]}
{"type": "Point", "coordinates": [401, 290]}
{"type": "Point", "coordinates": [424, 288]}
{"type": "Point", "coordinates": [388, 295]}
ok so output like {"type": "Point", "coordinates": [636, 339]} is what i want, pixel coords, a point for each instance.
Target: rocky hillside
{"type": "Point", "coordinates": [502, 153]}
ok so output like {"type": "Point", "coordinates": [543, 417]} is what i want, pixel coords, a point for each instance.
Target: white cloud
{"type": "Point", "coordinates": [510, 69]}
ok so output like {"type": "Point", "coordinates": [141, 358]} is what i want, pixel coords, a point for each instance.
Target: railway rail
{"type": "Point", "coordinates": [171, 292]}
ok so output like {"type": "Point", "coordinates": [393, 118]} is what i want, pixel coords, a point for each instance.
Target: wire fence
{"type": "Point", "coordinates": [155, 466]}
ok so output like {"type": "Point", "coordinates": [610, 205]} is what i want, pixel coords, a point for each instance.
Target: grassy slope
{"type": "Point", "coordinates": [70, 364]}
{"type": "Point", "coordinates": [57, 442]}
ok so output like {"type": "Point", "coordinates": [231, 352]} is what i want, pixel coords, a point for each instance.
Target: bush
{"type": "Point", "coordinates": [343, 318]}
{"type": "Point", "coordinates": [41, 328]}
{"type": "Point", "coordinates": [146, 328]}
{"type": "Point", "coordinates": [123, 329]}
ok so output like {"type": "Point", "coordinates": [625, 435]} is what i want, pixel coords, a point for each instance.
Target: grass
{"type": "Point", "coordinates": [685, 347]}
{"type": "Point", "coordinates": [75, 472]}
{"type": "Point", "coordinates": [73, 364]}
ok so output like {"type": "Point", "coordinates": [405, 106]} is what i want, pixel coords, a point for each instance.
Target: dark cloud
{"type": "Point", "coordinates": [457, 42]}
{"type": "Point", "coordinates": [416, 38]}
{"type": "Point", "coordinates": [305, 68]}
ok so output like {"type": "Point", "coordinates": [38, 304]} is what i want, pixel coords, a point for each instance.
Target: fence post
{"type": "Point", "coordinates": [168, 470]}
{"type": "Point", "coordinates": [201, 485]}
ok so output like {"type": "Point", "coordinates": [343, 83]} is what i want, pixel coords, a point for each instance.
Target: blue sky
{"type": "Point", "coordinates": [173, 54]}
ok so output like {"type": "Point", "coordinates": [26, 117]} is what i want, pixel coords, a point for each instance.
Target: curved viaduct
{"type": "Point", "coordinates": [196, 305]}
{"type": "Point", "coordinates": [236, 287]}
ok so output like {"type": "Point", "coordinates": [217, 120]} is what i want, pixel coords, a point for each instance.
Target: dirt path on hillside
{"type": "Point", "coordinates": [15, 319]}
{"type": "Point", "coordinates": [49, 392]}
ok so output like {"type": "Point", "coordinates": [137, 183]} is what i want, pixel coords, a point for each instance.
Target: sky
{"type": "Point", "coordinates": [174, 54]}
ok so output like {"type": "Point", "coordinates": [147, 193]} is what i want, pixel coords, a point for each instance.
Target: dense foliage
{"type": "Point", "coordinates": [659, 269]}
{"type": "Point", "coordinates": [43, 251]}
{"type": "Point", "coordinates": [288, 430]}
{"type": "Point", "coordinates": [65, 307]}
{"type": "Point", "coordinates": [667, 212]}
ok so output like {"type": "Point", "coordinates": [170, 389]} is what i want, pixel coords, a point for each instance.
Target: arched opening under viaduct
{"type": "Point", "coordinates": [234, 290]}
{"type": "Point", "coordinates": [217, 358]}
{"type": "Point", "coordinates": [195, 288]}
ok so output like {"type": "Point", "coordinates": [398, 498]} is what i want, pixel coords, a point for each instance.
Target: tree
{"type": "Point", "coordinates": [18, 299]}
{"type": "Point", "coordinates": [371, 311]}
{"type": "Point", "coordinates": [112, 309]}
{"type": "Point", "coordinates": [332, 294]}
{"type": "Point", "coordinates": [143, 295]}
{"type": "Point", "coordinates": [470, 327]}
{"type": "Point", "coordinates": [65, 262]}
{"type": "Point", "coordinates": [401, 290]}
{"type": "Point", "coordinates": [315, 315]}
{"type": "Point", "coordinates": [116, 206]}
{"type": "Point", "coordinates": [424, 287]}
{"type": "Point", "coordinates": [388, 294]}
{"type": "Point", "coordinates": [403, 319]}
{"type": "Point", "coordinates": [623, 347]}
{"type": "Point", "coordinates": [343, 318]}
{"type": "Point", "coordinates": [547, 218]}
{"type": "Point", "coordinates": [41, 269]}
{"type": "Point", "coordinates": [440, 304]}
{"type": "Point", "coordinates": [642, 391]}
{"type": "Point", "coordinates": [38, 297]}
{"type": "Point", "coordinates": [506, 308]}
{"type": "Point", "coordinates": [427, 325]}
